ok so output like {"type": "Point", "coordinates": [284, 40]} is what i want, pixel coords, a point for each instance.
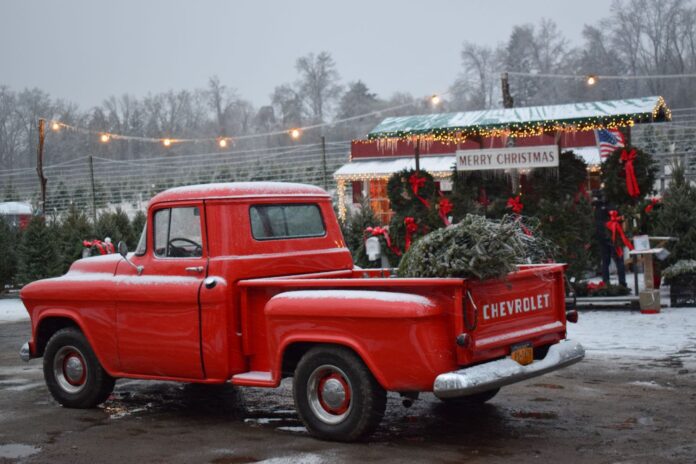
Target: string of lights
{"type": "Point", "coordinates": [224, 141]}
{"type": "Point", "coordinates": [592, 79]}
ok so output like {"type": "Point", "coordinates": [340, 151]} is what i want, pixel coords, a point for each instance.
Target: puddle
{"type": "Point", "coordinates": [17, 451]}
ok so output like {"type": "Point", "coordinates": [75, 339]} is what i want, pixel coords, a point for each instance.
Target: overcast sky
{"type": "Point", "coordinates": [84, 51]}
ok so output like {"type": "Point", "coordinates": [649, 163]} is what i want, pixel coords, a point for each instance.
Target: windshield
{"type": "Point", "coordinates": [142, 243]}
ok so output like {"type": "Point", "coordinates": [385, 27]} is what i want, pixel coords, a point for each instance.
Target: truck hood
{"type": "Point", "coordinates": [93, 268]}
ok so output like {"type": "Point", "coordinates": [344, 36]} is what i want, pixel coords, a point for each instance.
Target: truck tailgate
{"type": "Point", "coordinates": [526, 309]}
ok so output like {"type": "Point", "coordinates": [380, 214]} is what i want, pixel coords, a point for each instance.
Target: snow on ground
{"type": "Point", "coordinates": [11, 310]}
{"type": "Point", "coordinates": [630, 334]}
{"type": "Point", "coordinates": [603, 333]}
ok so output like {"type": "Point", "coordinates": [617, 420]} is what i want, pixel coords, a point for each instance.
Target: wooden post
{"type": "Point", "coordinates": [39, 166]}
{"type": "Point", "coordinates": [416, 152]}
{"type": "Point", "coordinates": [323, 162]}
{"type": "Point", "coordinates": [508, 102]}
{"type": "Point", "coordinates": [94, 194]}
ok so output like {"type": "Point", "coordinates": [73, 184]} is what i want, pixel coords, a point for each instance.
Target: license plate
{"type": "Point", "coordinates": [522, 353]}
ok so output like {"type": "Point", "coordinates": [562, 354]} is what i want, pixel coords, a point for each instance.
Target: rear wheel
{"type": "Point", "coordinates": [336, 395]}
{"type": "Point", "coordinates": [472, 400]}
{"type": "Point", "coordinates": [72, 371]}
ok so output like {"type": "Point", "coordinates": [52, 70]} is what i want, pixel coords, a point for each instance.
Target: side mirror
{"type": "Point", "coordinates": [123, 251]}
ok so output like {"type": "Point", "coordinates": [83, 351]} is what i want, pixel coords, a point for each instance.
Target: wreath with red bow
{"type": "Point", "coordinates": [411, 190]}
{"type": "Point", "coordinates": [628, 175]}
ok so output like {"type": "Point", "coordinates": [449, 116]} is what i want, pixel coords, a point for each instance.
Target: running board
{"type": "Point", "coordinates": [254, 379]}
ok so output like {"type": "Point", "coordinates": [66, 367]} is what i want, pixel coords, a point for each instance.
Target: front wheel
{"type": "Point", "coordinates": [72, 371]}
{"type": "Point", "coordinates": [336, 395]}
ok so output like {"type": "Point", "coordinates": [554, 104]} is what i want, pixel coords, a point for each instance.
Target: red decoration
{"type": "Point", "coordinates": [654, 202]}
{"type": "Point", "coordinates": [418, 182]}
{"type": "Point", "coordinates": [104, 248]}
{"type": "Point", "coordinates": [383, 231]}
{"type": "Point", "coordinates": [483, 198]}
{"type": "Point", "coordinates": [411, 228]}
{"type": "Point", "coordinates": [515, 204]}
{"type": "Point", "coordinates": [627, 157]}
{"type": "Point", "coordinates": [614, 225]}
{"type": "Point", "coordinates": [445, 207]}
{"type": "Point", "coordinates": [591, 286]}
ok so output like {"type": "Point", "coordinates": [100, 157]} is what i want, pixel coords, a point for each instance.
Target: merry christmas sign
{"type": "Point", "coordinates": [508, 158]}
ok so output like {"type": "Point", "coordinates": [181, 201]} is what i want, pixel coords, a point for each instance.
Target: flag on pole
{"type": "Point", "coordinates": [608, 140]}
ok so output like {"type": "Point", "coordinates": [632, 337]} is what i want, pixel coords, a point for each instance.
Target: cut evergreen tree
{"type": "Point", "coordinates": [476, 247]}
{"type": "Point", "coordinates": [117, 226]}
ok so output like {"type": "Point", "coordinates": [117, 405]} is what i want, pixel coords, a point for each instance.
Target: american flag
{"type": "Point", "coordinates": [608, 141]}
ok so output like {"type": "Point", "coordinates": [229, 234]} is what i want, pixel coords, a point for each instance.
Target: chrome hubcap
{"type": "Point", "coordinates": [329, 394]}
{"type": "Point", "coordinates": [70, 369]}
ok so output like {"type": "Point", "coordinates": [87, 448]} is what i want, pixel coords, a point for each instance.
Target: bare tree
{"type": "Point", "coordinates": [318, 84]}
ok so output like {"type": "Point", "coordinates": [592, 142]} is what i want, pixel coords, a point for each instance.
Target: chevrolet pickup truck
{"type": "Point", "coordinates": [250, 283]}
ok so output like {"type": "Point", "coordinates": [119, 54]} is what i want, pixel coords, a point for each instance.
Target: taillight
{"type": "Point", "coordinates": [572, 316]}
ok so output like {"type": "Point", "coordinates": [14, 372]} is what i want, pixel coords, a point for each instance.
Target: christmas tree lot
{"type": "Point", "coordinates": [548, 218]}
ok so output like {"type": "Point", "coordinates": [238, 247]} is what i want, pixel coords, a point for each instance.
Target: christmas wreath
{"type": "Point", "coordinates": [480, 192]}
{"type": "Point", "coordinates": [565, 183]}
{"type": "Point", "coordinates": [628, 175]}
{"type": "Point", "coordinates": [411, 191]}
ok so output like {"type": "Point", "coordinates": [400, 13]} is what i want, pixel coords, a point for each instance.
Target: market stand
{"type": "Point", "coordinates": [430, 142]}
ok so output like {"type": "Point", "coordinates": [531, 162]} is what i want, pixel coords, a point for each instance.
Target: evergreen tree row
{"type": "Point", "coordinates": [48, 246]}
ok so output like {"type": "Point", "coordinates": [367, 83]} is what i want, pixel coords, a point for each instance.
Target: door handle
{"type": "Point", "coordinates": [197, 269]}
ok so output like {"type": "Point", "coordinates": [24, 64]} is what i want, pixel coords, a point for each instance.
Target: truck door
{"type": "Point", "coordinates": [158, 313]}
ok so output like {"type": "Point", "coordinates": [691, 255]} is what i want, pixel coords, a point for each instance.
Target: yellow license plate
{"type": "Point", "coordinates": [523, 353]}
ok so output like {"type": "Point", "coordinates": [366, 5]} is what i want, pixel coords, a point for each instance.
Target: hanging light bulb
{"type": "Point", "coordinates": [435, 100]}
{"type": "Point", "coordinates": [167, 142]}
{"type": "Point", "coordinates": [222, 142]}
{"type": "Point", "coordinates": [591, 79]}
{"type": "Point", "coordinates": [55, 126]}
{"type": "Point", "coordinates": [295, 133]}
{"type": "Point", "coordinates": [104, 138]}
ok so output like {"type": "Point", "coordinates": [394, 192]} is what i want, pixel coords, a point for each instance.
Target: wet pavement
{"type": "Point", "coordinates": [599, 411]}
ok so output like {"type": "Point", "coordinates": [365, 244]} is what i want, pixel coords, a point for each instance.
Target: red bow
{"type": "Point", "coordinates": [445, 208]}
{"type": "Point", "coordinates": [418, 182]}
{"type": "Point", "coordinates": [483, 197]}
{"type": "Point", "coordinates": [383, 231]}
{"type": "Point", "coordinates": [515, 204]}
{"type": "Point", "coordinates": [628, 157]}
{"type": "Point", "coordinates": [411, 228]}
{"type": "Point", "coordinates": [654, 202]}
{"type": "Point", "coordinates": [614, 225]}
{"type": "Point", "coordinates": [591, 286]}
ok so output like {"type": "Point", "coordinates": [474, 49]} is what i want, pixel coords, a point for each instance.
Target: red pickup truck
{"type": "Point", "coordinates": [250, 283]}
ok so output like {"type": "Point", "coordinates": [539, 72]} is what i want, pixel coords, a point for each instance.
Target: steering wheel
{"type": "Point", "coordinates": [179, 251]}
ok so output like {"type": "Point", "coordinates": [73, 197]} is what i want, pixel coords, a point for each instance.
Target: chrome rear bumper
{"type": "Point", "coordinates": [496, 374]}
{"type": "Point", "coordinates": [25, 353]}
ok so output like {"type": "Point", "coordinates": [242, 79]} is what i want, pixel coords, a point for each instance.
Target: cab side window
{"type": "Point", "coordinates": [177, 233]}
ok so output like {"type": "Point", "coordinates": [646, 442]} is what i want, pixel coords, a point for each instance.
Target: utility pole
{"type": "Point", "coordinates": [323, 162]}
{"type": "Point", "coordinates": [94, 195]}
{"type": "Point", "coordinates": [39, 166]}
{"type": "Point", "coordinates": [508, 102]}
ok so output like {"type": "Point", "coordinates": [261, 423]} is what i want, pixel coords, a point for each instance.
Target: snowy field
{"type": "Point", "coordinates": [11, 310]}
{"type": "Point", "coordinates": [603, 333]}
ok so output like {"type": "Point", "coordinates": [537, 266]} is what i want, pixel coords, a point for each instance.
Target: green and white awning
{"type": "Point", "coordinates": [525, 121]}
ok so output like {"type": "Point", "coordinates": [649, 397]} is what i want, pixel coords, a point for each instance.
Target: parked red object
{"type": "Point", "coordinates": [251, 282]}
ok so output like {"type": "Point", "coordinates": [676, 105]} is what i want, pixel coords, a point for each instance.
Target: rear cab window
{"type": "Point", "coordinates": [287, 221]}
